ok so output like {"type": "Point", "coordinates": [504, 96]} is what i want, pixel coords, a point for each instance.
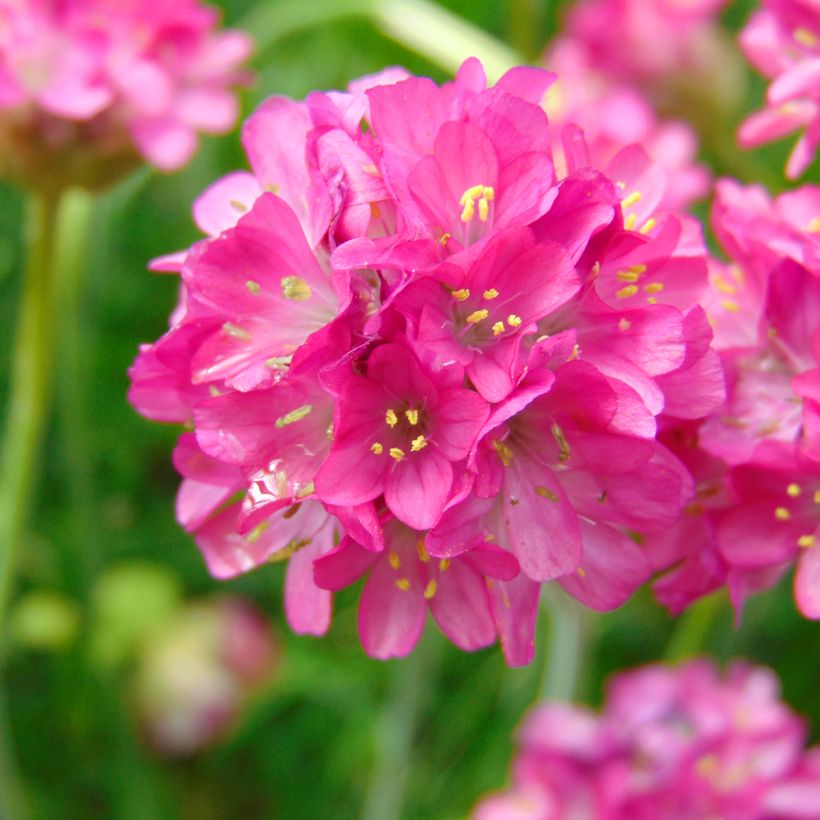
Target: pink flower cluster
{"type": "Point", "coordinates": [408, 351]}
{"type": "Point", "coordinates": [782, 40]}
{"type": "Point", "coordinates": [756, 459]}
{"type": "Point", "coordinates": [116, 72]}
{"type": "Point", "coordinates": [678, 743]}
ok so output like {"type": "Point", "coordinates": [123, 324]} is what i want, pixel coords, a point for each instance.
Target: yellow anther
{"type": "Point", "coordinates": [514, 320]}
{"type": "Point", "coordinates": [444, 564]}
{"type": "Point", "coordinates": [418, 443]}
{"type": "Point", "coordinates": [629, 290]}
{"type": "Point", "coordinates": [412, 415]}
{"type": "Point", "coordinates": [403, 584]}
{"type": "Point", "coordinates": [723, 286]}
{"type": "Point", "coordinates": [257, 532]}
{"type": "Point", "coordinates": [624, 324]}
{"type": "Point", "coordinates": [654, 287]}
{"type": "Point", "coordinates": [561, 441]}
{"type": "Point", "coordinates": [582, 572]}
{"type": "Point", "coordinates": [430, 589]}
{"type": "Point", "coordinates": [424, 556]}
{"type": "Point", "coordinates": [782, 514]}
{"type": "Point", "coordinates": [236, 332]}
{"type": "Point", "coordinates": [484, 194]}
{"type": "Point", "coordinates": [629, 201]}
{"type": "Point", "coordinates": [575, 353]}
{"type": "Point", "coordinates": [483, 210]}
{"type": "Point", "coordinates": [805, 37]}
{"type": "Point", "coordinates": [471, 193]}
{"type": "Point", "coordinates": [295, 288]}
{"type": "Point", "coordinates": [817, 496]}
{"type": "Point", "coordinates": [732, 307]}
{"type": "Point", "coordinates": [370, 169]}
{"type": "Point", "coordinates": [504, 452]}
{"type": "Point", "coordinates": [647, 226]}
{"type": "Point", "coordinates": [490, 294]}
{"type": "Point", "coordinates": [814, 225]}
{"type": "Point", "coordinates": [627, 276]}
{"type": "Point", "coordinates": [238, 206]}
{"type": "Point", "coordinates": [397, 453]}
{"type": "Point", "coordinates": [595, 269]}
{"type": "Point", "coordinates": [637, 268]}
{"type": "Point", "coordinates": [461, 295]}
{"type": "Point", "coordinates": [445, 238]}
{"type": "Point", "coordinates": [295, 415]}
{"type": "Point", "coordinates": [489, 193]}
{"type": "Point", "coordinates": [253, 287]}
{"type": "Point", "coordinates": [374, 210]}
{"type": "Point", "coordinates": [793, 490]}
{"type": "Point", "coordinates": [806, 541]}
{"type": "Point", "coordinates": [546, 492]}
{"type": "Point", "coordinates": [390, 417]}
{"type": "Point", "coordinates": [630, 221]}
{"type": "Point", "coordinates": [651, 300]}
{"type": "Point", "coordinates": [376, 448]}
{"type": "Point", "coordinates": [498, 328]}
{"type": "Point", "coordinates": [477, 316]}
{"type": "Point", "coordinates": [469, 211]}
{"type": "Point", "coordinates": [394, 560]}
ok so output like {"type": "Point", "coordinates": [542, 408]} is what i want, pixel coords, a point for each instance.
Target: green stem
{"type": "Point", "coordinates": [693, 628]}
{"type": "Point", "coordinates": [25, 422]}
{"type": "Point", "coordinates": [567, 642]}
{"type": "Point", "coordinates": [394, 734]}
{"type": "Point", "coordinates": [526, 26]}
{"type": "Point", "coordinates": [443, 38]}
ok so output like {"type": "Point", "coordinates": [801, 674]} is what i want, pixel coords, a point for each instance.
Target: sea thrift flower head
{"type": "Point", "coordinates": [782, 41]}
{"type": "Point", "coordinates": [194, 681]}
{"type": "Point", "coordinates": [87, 88]}
{"type": "Point", "coordinates": [674, 742]}
{"type": "Point", "coordinates": [407, 352]}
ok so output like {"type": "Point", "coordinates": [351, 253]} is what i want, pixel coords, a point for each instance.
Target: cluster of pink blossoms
{"type": "Point", "coordinates": [756, 459]}
{"type": "Point", "coordinates": [675, 743]}
{"type": "Point", "coordinates": [93, 80]}
{"type": "Point", "coordinates": [782, 40]}
{"type": "Point", "coordinates": [407, 350]}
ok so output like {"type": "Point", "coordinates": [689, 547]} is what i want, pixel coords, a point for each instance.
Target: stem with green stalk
{"type": "Point", "coordinates": [693, 628]}
{"type": "Point", "coordinates": [568, 636]}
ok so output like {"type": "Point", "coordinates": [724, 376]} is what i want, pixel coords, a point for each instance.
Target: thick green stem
{"type": "Point", "coordinates": [25, 422]}
{"type": "Point", "coordinates": [693, 628]}
{"type": "Point", "coordinates": [567, 642]}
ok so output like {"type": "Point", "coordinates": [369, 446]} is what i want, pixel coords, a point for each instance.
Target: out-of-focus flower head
{"type": "Point", "coordinates": [410, 352]}
{"type": "Point", "coordinates": [195, 677]}
{"type": "Point", "coordinates": [782, 40]}
{"type": "Point", "coordinates": [756, 459]}
{"type": "Point", "coordinates": [677, 743]}
{"type": "Point", "coordinates": [89, 86]}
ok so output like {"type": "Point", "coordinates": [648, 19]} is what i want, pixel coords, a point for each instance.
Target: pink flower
{"type": "Point", "coordinates": [782, 40]}
{"type": "Point", "coordinates": [113, 78]}
{"type": "Point", "coordinates": [674, 742]}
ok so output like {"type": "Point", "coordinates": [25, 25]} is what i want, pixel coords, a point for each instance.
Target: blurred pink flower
{"type": "Point", "coordinates": [677, 743]}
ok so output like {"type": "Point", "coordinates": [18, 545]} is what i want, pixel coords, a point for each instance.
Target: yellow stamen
{"type": "Point", "coordinates": [624, 293]}
{"type": "Point", "coordinates": [732, 307]}
{"type": "Point", "coordinates": [424, 556]}
{"type": "Point", "coordinates": [394, 560]}
{"type": "Point", "coordinates": [238, 206]}
{"type": "Point", "coordinates": [390, 417]}
{"type": "Point", "coordinates": [654, 287]}
{"type": "Point", "coordinates": [782, 514]}
{"type": "Point", "coordinates": [483, 210]}
{"type": "Point", "coordinates": [490, 294]}
{"type": "Point", "coordinates": [546, 492]}
{"type": "Point", "coordinates": [445, 238]}
{"type": "Point", "coordinates": [397, 453]}
{"type": "Point", "coordinates": [647, 226]}
{"type": "Point", "coordinates": [806, 541]}
{"type": "Point", "coordinates": [637, 268]}
{"type": "Point", "coordinates": [627, 276]}
{"type": "Point", "coordinates": [295, 415]}
{"type": "Point", "coordinates": [403, 584]}
{"type": "Point", "coordinates": [461, 295]}
{"type": "Point", "coordinates": [560, 440]}
{"type": "Point", "coordinates": [814, 225]}
{"type": "Point", "coordinates": [595, 269]}
{"type": "Point", "coordinates": [236, 332]}
{"type": "Point", "coordinates": [253, 287]}
{"type": "Point", "coordinates": [295, 288]}
{"type": "Point", "coordinates": [651, 300]}
{"type": "Point", "coordinates": [471, 193]}
{"type": "Point", "coordinates": [624, 325]}
{"type": "Point", "coordinates": [504, 452]}
{"type": "Point", "coordinates": [477, 316]}
{"type": "Point", "coordinates": [793, 490]}
{"type": "Point", "coordinates": [418, 443]}
{"type": "Point", "coordinates": [374, 210]}
{"type": "Point", "coordinates": [817, 496]}
{"type": "Point", "coordinates": [805, 37]}
{"type": "Point", "coordinates": [412, 415]}
{"type": "Point", "coordinates": [444, 564]}
{"type": "Point", "coordinates": [376, 448]}
{"type": "Point", "coordinates": [257, 532]}
{"type": "Point", "coordinates": [723, 286]}
{"type": "Point", "coordinates": [630, 200]}
{"type": "Point", "coordinates": [430, 589]}
{"type": "Point", "coordinates": [582, 572]}
{"type": "Point", "coordinates": [629, 222]}
{"type": "Point", "coordinates": [469, 211]}
{"type": "Point", "coordinates": [498, 328]}
{"type": "Point", "coordinates": [514, 320]}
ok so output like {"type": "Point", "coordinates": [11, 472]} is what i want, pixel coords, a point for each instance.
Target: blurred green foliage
{"type": "Point", "coordinates": [105, 496]}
